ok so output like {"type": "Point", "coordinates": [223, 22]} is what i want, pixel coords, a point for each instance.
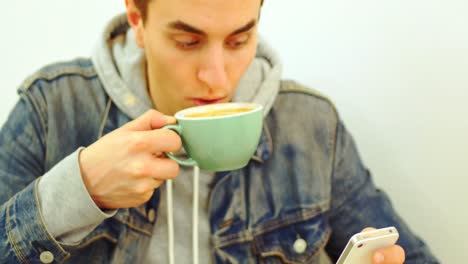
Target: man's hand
{"type": "Point", "coordinates": [123, 168]}
{"type": "Point", "coordinates": [391, 255]}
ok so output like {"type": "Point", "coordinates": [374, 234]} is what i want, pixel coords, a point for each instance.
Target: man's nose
{"type": "Point", "coordinates": [212, 71]}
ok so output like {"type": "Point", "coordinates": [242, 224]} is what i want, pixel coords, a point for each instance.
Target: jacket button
{"type": "Point", "coordinates": [300, 246]}
{"type": "Point", "coordinates": [151, 215]}
{"type": "Point", "coordinates": [46, 257]}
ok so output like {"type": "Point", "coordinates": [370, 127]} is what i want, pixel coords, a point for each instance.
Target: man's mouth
{"type": "Point", "coordinates": [206, 101]}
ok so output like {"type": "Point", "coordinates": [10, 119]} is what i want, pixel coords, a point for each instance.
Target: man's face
{"type": "Point", "coordinates": [196, 50]}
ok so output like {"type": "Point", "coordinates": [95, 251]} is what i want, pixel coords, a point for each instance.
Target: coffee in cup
{"type": "Point", "coordinates": [218, 112]}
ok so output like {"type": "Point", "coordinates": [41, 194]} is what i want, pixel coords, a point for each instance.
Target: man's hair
{"type": "Point", "coordinates": [142, 5]}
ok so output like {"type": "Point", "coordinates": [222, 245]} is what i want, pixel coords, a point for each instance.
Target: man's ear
{"type": "Point", "coordinates": [136, 21]}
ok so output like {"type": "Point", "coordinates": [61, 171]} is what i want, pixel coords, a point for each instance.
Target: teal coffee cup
{"type": "Point", "coordinates": [219, 137]}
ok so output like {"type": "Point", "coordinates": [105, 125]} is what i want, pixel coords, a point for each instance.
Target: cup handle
{"type": "Point", "coordinates": [186, 162]}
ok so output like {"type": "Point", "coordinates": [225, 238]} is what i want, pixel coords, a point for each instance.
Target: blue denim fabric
{"type": "Point", "coordinates": [306, 180]}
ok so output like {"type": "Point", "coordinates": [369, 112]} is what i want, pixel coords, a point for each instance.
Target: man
{"type": "Point", "coordinates": [82, 155]}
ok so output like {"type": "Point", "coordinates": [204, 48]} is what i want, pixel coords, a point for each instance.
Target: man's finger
{"type": "Point", "coordinates": [151, 169]}
{"type": "Point", "coordinates": [165, 169]}
{"type": "Point", "coordinates": [150, 120]}
{"type": "Point", "coordinates": [161, 140]}
{"type": "Point", "coordinates": [367, 229]}
{"type": "Point", "coordinates": [156, 183]}
{"type": "Point", "coordinates": [394, 254]}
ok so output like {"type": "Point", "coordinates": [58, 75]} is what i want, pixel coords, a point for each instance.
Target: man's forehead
{"type": "Point", "coordinates": [208, 16]}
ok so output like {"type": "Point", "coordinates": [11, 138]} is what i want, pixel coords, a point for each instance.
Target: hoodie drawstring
{"type": "Point", "coordinates": [196, 175]}
{"type": "Point", "coordinates": [170, 222]}
{"type": "Point", "coordinates": [170, 217]}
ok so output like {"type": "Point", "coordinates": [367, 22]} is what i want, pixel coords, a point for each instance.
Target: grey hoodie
{"type": "Point", "coordinates": [120, 65]}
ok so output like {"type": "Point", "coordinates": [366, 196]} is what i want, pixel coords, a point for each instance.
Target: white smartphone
{"type": "Point", "coordinates": [361, 246]}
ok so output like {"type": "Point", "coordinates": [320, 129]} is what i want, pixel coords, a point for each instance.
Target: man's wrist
{"type": "Point", "coordinates": [65, 202]}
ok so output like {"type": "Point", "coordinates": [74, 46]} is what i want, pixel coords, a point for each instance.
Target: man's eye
{"type": "Point", "coordinates": [187, 45]}
{"type": "Point", "coordinates": [238, 42]}
{"type": "Point", "coordinates": [186, 42]}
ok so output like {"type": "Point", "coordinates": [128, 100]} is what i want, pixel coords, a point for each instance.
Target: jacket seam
{"type": "Point", "coordinates": [288, 220]}
{"type": "Point", "coordinates": [333, 159]}
{"type": "Point", "coordinates": [132, 226]}
{"type": "Point", "coordinates": [104, 235]}
{"type": "Point", "coordinates": [16, 248]}
{"type": "Point", "coordinates": [216, 185]}
{"type": "Point", "coordinates": [266, 129]}
{"type": "Point", "coordinates": [36, 108]}
{"type": "Point", "coordinates": [52, 75]}
{"type": "Point", "coordinates": [289, 86]}
{"type": "Point", "coordinates": [340, 205]}
{"type": "Point", "coordinates": [269, 138]}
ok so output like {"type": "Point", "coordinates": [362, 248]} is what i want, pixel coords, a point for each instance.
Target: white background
{"type": "Point", "coordinates": [397, 71]}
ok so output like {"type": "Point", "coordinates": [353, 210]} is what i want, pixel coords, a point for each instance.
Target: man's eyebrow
{"type": "Point", "coordinates": [179, 25]}
{"type": "Point", "coordinates": [245, 28]}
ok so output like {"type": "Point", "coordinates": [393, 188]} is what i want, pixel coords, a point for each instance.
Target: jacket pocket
{"type": "Point", "coordinates": [298, 242]}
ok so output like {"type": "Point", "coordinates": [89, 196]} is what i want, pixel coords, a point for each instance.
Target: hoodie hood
{"type": "Point", "coordinates": [120, 64]}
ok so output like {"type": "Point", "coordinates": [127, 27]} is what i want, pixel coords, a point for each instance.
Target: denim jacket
{"type": "Point", "coordinates": [305, 191]}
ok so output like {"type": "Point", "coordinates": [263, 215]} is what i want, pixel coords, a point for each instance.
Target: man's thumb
{"type": "Point", "coordinates": [150, 120]}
